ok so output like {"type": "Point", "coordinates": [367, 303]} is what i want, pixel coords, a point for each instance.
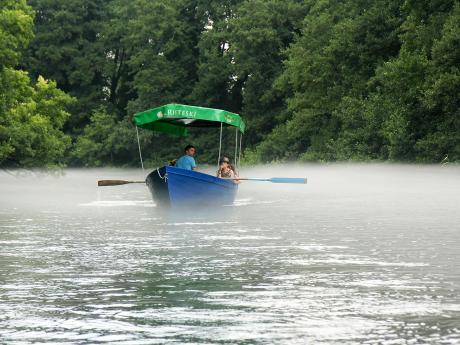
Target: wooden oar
{"type": "Point", "coordinates": [103, 183]}
{"type": "Point", "coordinates": [272, 179]}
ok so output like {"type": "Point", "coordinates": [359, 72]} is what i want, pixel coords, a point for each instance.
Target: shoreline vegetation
{"type": "Point", "coordinates": [315, 80]}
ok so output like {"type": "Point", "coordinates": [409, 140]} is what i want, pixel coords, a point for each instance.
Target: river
{"type": "Point", "coordinates": [362, 254]}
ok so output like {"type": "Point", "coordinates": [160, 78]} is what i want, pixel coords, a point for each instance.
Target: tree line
{"type": "Point", "coordinates": [315, 80]}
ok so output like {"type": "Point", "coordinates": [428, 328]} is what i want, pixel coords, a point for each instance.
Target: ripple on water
{"type": "Point", "coordinates": [334, 264]}
{"type": "Point", "coordinates": [118, 203]}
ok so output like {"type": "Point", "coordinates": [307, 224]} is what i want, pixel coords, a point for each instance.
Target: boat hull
{"type": "Point", "coordinates": [177, 187]}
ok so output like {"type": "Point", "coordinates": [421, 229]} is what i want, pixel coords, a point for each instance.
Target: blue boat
{"type": "Point", "coordinates": [171, 186]}
{"type": "Point", "coordinates": [175, 187]}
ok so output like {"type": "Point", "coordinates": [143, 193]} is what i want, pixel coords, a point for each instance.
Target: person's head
{"type": "Point", "coordinates": [190, 150]}
{"type": "Point", "coordinates": [224, 162]}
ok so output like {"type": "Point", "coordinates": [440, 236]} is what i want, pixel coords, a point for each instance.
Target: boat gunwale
{"type": "Point", "coordinates": [189, 174]}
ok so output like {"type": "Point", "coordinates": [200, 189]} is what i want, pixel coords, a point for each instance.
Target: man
{"type": "Point", "coordinates": [187, 161]}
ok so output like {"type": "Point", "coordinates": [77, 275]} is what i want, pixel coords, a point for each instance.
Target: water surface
{"type": "Point", "coordinates": [363, 254]}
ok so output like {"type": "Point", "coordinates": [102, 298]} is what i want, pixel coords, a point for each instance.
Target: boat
{"type": "Point", "coordinates": [171, 186]}
{"type": "Point", "coordinates": [174, 187]}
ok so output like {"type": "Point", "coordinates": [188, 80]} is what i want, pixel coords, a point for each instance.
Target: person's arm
{"type": "Point", "coordinates": [193, 163]}
{"type": "Point", "coordinates": [235, 175]}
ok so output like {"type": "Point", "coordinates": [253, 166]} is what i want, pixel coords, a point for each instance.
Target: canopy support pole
{"type": "Point", "coordinates": [239, 157]}
{"type": "Point", "coordinates": [220, 145]}
{"type": "Point", "coordinates": [236, 148]}
{"type": "Point", "coordinates": [139, 146]}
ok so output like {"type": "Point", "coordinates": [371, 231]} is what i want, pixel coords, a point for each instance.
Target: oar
{"type": "Point", "coordinates": [273, 179]}
{"type": "Point", "coordinates": [103, 183]}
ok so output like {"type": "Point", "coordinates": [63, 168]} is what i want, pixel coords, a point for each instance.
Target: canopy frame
{"type": "Point", "coordinates": [176, 118]}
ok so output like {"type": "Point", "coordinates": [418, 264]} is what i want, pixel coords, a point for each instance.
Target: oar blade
{"type": "Point", "coordinates": [288, 180]}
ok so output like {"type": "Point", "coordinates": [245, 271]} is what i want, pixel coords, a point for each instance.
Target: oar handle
{"type": "Point", "coordinates": [105, 183]}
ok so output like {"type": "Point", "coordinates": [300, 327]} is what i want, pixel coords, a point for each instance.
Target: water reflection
{"type": "Point", "coordinates": [331, 263]}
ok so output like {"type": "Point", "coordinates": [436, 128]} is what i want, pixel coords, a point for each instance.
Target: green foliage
{"type": "Point", "coordinates": [314, 79]}
{"type": "Point", "coordinates": [259, 34]}
{"type": "Point", "coordinates": [30, 131]}
{"type": "Point", "coordinates": [442, 131]}
{"type": "Point", "coordinates": [216, 84]}
{"type": "Point", "coordinates": [31, 117]}
{"type": "Point", "coordinates": [15, 30]}
{"type": "Point", "coordinates": [162, 56]}
{"type": "Point", "coordinates": [372, 81]}
{"type": "Point", "coordinates": [67, 48]}
{"type": "Point", "coordinates": [105, 141]}
{"type": "Point", "coordinates": [418, 91]}
{"type": "Point", "coordinates": [327, 72]}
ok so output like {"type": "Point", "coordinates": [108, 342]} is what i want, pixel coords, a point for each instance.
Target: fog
{"type": "Point", "coordinates": [386, 187]}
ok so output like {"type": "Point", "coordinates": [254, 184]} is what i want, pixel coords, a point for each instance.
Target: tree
{"type": "Point", "coordinates": [326, 74]}
{"type": "Point", "coordinates": [313, 79]}
{"type": "Point", "coordinates": [260, 32]}
{"type": "Point", "coordinates": [67, 48]}
{"type": "Point", "coordinates": [31, 117]}
{"type": "Point", "coordinates": [441, 132]}
{"type": "Point", "coordinates": [32, 127]}
{"type": "Point", "coordinates": [417, 92]}
{"type": "Point", "coordinates": [106, 141]}
{"type": "Point", "coordinates": [163, 59]}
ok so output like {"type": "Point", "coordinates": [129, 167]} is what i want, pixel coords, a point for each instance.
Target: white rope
{"type": "Point", "coordinates": [139, 146]}
{"type": "Point", "coordinates": [162, 177]}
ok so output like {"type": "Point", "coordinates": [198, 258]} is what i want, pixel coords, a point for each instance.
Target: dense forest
{"type": "Point", "coordinates": [315, 80]}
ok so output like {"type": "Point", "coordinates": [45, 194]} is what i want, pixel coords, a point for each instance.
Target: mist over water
{"type": "Point", "coordinates": [362, 254]}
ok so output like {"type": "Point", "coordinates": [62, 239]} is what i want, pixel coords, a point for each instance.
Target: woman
{"type": "Point", "coordinates": [226, 170]}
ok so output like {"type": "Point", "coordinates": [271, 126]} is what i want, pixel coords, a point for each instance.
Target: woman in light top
{"type": "Point", "coordinates": [226, 170]}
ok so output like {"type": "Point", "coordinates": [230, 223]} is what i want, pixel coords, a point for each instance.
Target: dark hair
{"type": "Point", "coordinates": [224, 159]}
{"type": "Point", "coordinates": [188, 147]}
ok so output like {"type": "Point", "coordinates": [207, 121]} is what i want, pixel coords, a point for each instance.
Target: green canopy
{"type": "Point", "coordinates": [175, 118]}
